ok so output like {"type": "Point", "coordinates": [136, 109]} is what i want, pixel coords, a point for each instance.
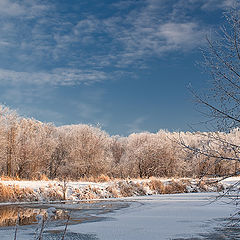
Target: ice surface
{"type": "Point", "coordinates": [160, 217]}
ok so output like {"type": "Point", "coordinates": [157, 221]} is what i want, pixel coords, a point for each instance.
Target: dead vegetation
{"type": "Point", "coordinates": [100, 178]}
{"type": "Point", "coordinates": [14, 193]}
{"type": "Point", "coordinates": [129, 188]}
{"type": "Point", "coordinates": [112, 189]}
{"type": "Point", "coordinates": [156, 185]}
{"type": "Point", "coordinates": [174, 186]}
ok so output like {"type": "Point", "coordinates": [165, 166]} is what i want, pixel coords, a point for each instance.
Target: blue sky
{"type": "Point", "coordinates": [122, 64]}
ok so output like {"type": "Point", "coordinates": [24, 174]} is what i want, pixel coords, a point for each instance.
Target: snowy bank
{"type": "Point", "coordinates": [42, 191]}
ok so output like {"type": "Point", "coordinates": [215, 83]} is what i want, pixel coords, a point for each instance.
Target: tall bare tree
{"type": "Point", "coordinates": [221, 104]}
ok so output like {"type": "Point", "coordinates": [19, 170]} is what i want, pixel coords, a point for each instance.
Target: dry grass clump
{"type": "Point", "coordinates": [6, 193]}
{"type": "Point", "coordinates": [171, 187]}
{"type": "Point", "coordinates": [185, 181]}
{"type": "Point", "coordinates": [88, 195]}
{"type": "Point", "coordinates": [15, 193]}
{"type": "Point", "coordinates": [86, 179]}
{"type": "Point", "coordinates": [113, 192]}
{"type": "Point", "coordinates": [96, 191]}
{"type": "Point", "coordinates": [128, 189]}
{"type": "Point", "coordinates": [175, 187]}
{"type": "Point", "coordinates": [43, 177]}
{"type": "Point", "coordinates": [102, 178]}
{"type": "Point", "coordinates": [7, 178]}
{"type": "Point", "coordinates": [139, 189]}
{"type": "Point", "coordinates": [22, 194]}
{"type": "Point", "coordinates": [30, 195]}
{"type": "Point", "coordinates": [210, 185]}
{"type": "Point", "coordinates": [52, 195]}
{"type": "Point", "coordinates": [156, 185]}
{"type": "Point", "coordinates": [203, 186]}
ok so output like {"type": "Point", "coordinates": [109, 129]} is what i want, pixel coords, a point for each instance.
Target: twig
{"type": "Point", "coordinates": [66, 225]}
{"type": "Point", "coordinates": [16, 227]}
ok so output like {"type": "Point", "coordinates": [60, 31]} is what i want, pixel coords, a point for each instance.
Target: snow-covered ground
{"type": "Point", "coordinates": [160, 217]}
{"type": "Point", "coordinates": [28, 191]}
{"type": "Point", "coordinates": [169, 216]}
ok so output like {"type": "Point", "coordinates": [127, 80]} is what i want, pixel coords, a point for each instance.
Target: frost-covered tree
{"type": "Point", "coordinates": [221, 104]}
{"type": "Point", "coordinates": [30, 149]}
{"type": "Point", "coordinates": [88, 150]}
{"type": "Point", "coordinates": [8, 127]}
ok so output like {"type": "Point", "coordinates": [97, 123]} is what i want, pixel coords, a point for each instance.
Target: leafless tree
{"type": "Point", "coordinates": [222, 62]}
{"type": "Point", "coordinates": [221, 103]}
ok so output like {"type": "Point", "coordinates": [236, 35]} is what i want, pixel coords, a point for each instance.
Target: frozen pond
{"type": "Point", "coordinates": [176, 216]}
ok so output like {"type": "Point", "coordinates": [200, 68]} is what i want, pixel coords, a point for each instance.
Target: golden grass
{"type": "Point", "coordinates": [113, 192]}
{"type": "Point", "coordinates": [156, 185]}
{"type": "Point", "coordinates": [115, 189]}
{"type": "Point", "coordinates": [43, 177]}
{"type": "Point", "coordinates": [175, 187]}
{"type": "Point", "coordinates": [126, 190]}
{"type": "Point", "coordinates": [7, 178]}
{"type": "Point", "coordinates": [100, 178]}
{"type": "Point", "coordinates": [15, 193]}
{"type": "Point", "coordinates": [168, 188]}
{"type": "Point", "coordinates": [129, 188]}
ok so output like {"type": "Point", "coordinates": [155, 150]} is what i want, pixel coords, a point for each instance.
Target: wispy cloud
{"type": "Point", "coordinates": [134, 37]}
{"type": "Point", "coordinates": [55, 77]}
{"type": "Point", "coordinates": [40, 45]}
{"type": "Point", "coordinates": [181, 35]}
{"type": "Point", "coordinates": [212, 5]}
{"type": "Point", "coordinates": [10, 8]}
{"type": "Point", "coordinates": [26, 8]}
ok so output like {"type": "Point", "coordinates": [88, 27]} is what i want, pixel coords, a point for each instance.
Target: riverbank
{"type": "Point", "coordinates": [47, 191]}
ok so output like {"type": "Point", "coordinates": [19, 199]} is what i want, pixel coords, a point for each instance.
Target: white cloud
{"type": "Point", "coordinates": [212, 5]}
{"type": "Point", "coordinates": [47, 47]}
{"type": "Point", "coordinates": [184, 35]}
{"type": "Point", "coordinates": [124, 4]}
{"type": "Point", "coordinates": [55, 77]}
{"type": "Point", "coordinates": [11, 8]}
{"type": "Point", "coordinates": [124, 40]}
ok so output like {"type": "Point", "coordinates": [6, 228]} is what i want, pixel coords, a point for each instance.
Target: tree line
{"type": "Point", "coordinates": [30, 149]}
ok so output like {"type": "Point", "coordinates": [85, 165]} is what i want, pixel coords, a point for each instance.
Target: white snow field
{"type": "Point", "coordinates": [173, 216]}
